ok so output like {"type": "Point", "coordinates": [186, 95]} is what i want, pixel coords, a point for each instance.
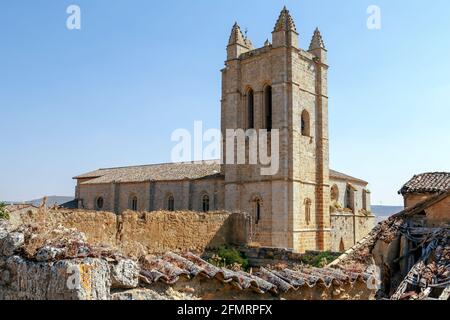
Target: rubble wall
{"type": "Point", "coordinates": [137, 234]}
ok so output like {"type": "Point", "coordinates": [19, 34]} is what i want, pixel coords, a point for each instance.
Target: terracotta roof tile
{"type": "Point", "coordinates": [170, 267]}
{"type": "Point", "coordinates": [155, 172]}
{"type": "Point", "coordinates": [427, 183]}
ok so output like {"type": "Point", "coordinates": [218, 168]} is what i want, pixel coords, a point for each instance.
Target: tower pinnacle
{"type": "Point", "coordinates": [238, 43]}
{"type": "Point", "coordinates": [317, 41]}
{"type": "Point", "coordinates": [285, 22]}
{"type": "Point", "coordinates": [237, 37]}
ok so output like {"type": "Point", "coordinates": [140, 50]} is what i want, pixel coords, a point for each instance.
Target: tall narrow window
{"type": "Point", "coordinates": [205, 203]}
{"type": "Point", "coordinates": [250, 110]}
{"type": "Point", "coordinates": [268, 107]}
{"type": "Point", "coordinates": [305, 124]}
{"type": "Point", "coordinates": [99, 203]}
{"type": "Point", "coordinates": [134, 203]}
{"type": "Point", "coordinates": [342, 246]}
{"type": "Point", "coordinates": [170, 203]}
{"type": "Point", "coordinates": [257, 210]}
{"type": "Point", "coordinates": [349, 197]}
{"type": "Point", "coordinates": [308, 211]}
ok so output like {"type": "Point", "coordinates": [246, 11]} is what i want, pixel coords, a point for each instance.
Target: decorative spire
{"type": "Point", "coordinates": [267, 43]}
{"type": "Point", "coordinates": [237, 36]}
{"type": "Point", "coordinates": [285, 22]}
{"type": "Point", "coordinates": [317, 41]}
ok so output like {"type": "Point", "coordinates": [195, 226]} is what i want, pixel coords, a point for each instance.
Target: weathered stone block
{"type": "Point", "coordinates": [124, 274]}
{"type": "Point", "coordinates": [87, 279]}
{"type": "Point", "coordinates": [10, 243]}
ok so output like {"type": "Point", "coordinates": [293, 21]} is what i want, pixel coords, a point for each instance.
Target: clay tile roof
{"type": "Point", "coordinates": [171, 267]}
{"type": "Point", "coordinates": [342, 176]}
{"type": "Point", "coordinates": [171, 172]}
{"type": "Point", "coordinates": [155, 172]}
{"type": "Point", "coordinates": [427, 183]}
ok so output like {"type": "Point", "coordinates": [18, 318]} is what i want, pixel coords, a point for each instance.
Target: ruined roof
{"type": "Point", "coordinates": [427, 183]}
{"type": "Point", "coordinates": [171, 172]}
{"type": "Point", "coordinates": [170, 267]}
{"type": "Point", "coordinates": [387, 229]}
{"type": "Point", "coordinates": [429, 277]}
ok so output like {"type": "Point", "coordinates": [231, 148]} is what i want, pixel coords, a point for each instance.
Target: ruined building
{"type": "Point", "coordinates": [411, 249]}
{"type": "Point", "coordinates": [305, 205]}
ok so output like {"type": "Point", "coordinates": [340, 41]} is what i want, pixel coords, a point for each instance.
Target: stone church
{"type": "Point", "coordinates": [306, 205]}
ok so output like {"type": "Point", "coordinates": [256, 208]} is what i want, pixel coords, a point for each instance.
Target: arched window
{"type": "Point", "coordinates": [134, 203]}
{"type": "Point", "coordinates": [205, 203]}
{"type": "Point", "coordinates": [308, 211]}
{"type": "Point", "coordinates": [334, 193]}
{"type": "Point", "coordinates": [99, 202]}
{"type": "Point", "coordinates": [170, 203]}
{"type": "Point", "coordinates": [268, 107]}
{"type": "Point", "coordinates": [305, 123]}
{"type": "Point", "coordinates": [257, 210]}
{"type": "Point", "coordinates": [250, 109]}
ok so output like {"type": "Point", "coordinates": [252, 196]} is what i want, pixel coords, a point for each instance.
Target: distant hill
{"type": "Point", "coordinates": [52, 200]}
{"type": "Point", "coordinates": [384, 212]}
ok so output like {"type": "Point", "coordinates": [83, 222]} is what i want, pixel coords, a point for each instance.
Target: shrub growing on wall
{"type": "Point", "coordinates": [3, 213]}
{"type": "Point", "coordinates": [229, 257]}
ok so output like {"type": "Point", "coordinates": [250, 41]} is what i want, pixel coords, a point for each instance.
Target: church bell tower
{"type": "Point", "coordinates": [280, 88]}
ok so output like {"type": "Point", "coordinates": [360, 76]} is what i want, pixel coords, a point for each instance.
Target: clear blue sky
{"type": "Point", "coordinates": [112, 93]}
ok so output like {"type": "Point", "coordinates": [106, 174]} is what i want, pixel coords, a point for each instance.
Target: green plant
{"type": "Point", "coordinates": [4, 215]}
{"type": "Point", "coordinates": [319, 260]}
{"type": "Point", "coordinates": [227, 257]}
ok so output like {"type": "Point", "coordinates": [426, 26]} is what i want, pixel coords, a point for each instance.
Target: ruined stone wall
{"type": "Point", "coordinates": [172, 231]}
{"type": "Point", "coordinates": [150, 233]}
{"type": "Point", "coordinates": [347, 229]}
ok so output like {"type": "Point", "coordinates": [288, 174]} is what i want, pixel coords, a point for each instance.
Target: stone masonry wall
{"type": "Point", "coordinates": [150, 233]}
{"type": "Point", "coordinates": [347, 229]}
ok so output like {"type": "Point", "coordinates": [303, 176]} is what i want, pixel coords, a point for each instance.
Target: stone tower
{"type": "Point", "coordinates": [280, 87]}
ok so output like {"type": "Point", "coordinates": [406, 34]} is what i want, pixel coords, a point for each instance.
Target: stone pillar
{"type": "Point", "coordinates": [151, 196]}
{"type": "Point", "coordinates": [115, 197]}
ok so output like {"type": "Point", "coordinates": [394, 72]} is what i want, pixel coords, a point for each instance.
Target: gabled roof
{"type": "Point", "coordinates": [342, 176]}
{"type": "Point", "coordinates": [171, 172]}
{"type": "Point", "coordinates": [154, 172]}
{"type": "Point", "coordinates": [430, 182]}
